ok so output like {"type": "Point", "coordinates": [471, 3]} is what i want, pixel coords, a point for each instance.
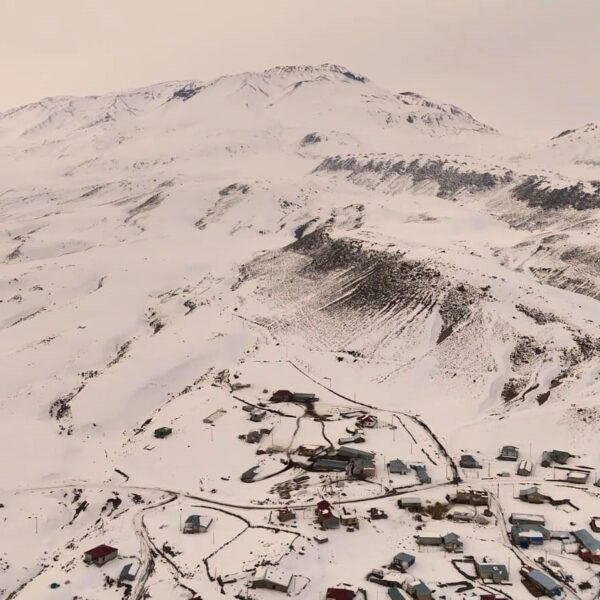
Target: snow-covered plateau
{"type": "Point", "coordinates": [172, 256]}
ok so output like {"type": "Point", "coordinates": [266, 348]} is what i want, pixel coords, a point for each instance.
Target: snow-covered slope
{"type": "Point", "coordinates": [187, 248]}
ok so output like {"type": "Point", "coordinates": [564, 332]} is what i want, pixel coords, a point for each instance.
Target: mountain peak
{"type": "Point", "coordinates": [312, 70]}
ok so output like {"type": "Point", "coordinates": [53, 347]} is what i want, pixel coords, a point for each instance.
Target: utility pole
{"type": "Point", "coordinates": [36, 524]}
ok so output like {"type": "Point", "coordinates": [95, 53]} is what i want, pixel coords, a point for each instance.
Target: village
{"type": "Point", "coordinates": [331, 481]}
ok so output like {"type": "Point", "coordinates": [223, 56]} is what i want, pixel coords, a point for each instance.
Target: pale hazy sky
{"type": "Point", "coordinates": [529, 66]}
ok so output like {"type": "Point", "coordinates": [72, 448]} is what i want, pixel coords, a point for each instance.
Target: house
{"type": "Point", "coordinates": [462, 517]}
{"type": "Point", "coordinates": [468, 461]}
{"type": "Point", "coordinates": [542, 582]}
{"type": "Point", "coordinates": [527, 535]}
{"type": "Point", "coordinates": [272, 579]}
{"type": "Point", "coordinates": [100, 554]}
{"type": "Point", "coordinates": [304, 398]}
{"type": "Point", "coordinates": [419, 591]}
{"type": "Point", "coordinates": [162, 432]}
{"type": "Point", "coordinates": [329, 464]}
{"type": "Point", "coordinates": [579, 477]}
{"type": "Point", "coordinates": [197, 524]}
{"type": "Point", "coordinates": [281, 396]}
{"type": "Point", "coordinates": [509, 453]}
{"type": "Point", "coordinates": [492, 572]}
{"type": "Point", "coordinates": [349, 519]}
{"type": "Point", "coordinates": [403, 561]}
{"type": "Point", "coordinates": [368, 421]}
{"type": "Point", "coordinates": [360, 468]}
{"type": "Point", "coordinates": [451, 542]}
{"type": "Point", "coordinates": [525, 468]}
{"type": "Point", "coordinates": [285, 514]}
{"type": "Point", "coordinates": [526, 519]}
{"type": "Point", "coordinates": [257, 415]}
{"type": "Point", "coordinates": [346, 452]}
{"type": "Point", "coordinates": [557, 456]}
{"type": "Point", "coordinates": [325, 516]}
{"type": "Point", "coordinates": [410, 503]}
{"type": "Point", "coordinates": [421, 473]}
{"type": "Point", "coordinates": [532, 495]}
{"type": "Point", "coordinates": [471, 497]}
{"type": "Point", "coordinates": [395, 594]}
{"type": "Point", "coordinates": [589, 546]}
{"type": "Point", "coordinates": [321, 539]}
{"type": "Point", "coordinates": [339, 594]}
{"type": "Point", "coordinates": [397, 467]}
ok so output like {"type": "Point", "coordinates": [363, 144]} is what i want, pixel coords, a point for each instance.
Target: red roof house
{"type": "Point", "coordinates": [100, 554]}
{"type": "Point", "coordinates": [339, 594]}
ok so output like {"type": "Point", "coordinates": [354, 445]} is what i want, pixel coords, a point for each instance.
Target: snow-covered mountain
{"type": "Point", "coordinates": [185, 249]}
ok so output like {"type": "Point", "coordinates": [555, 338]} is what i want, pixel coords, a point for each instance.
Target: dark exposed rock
{"type": "Point", "coordinates": [540, 317]}
{"type": "Point", "coordinates": [310, 138]}
{"type": "Point", "coordinates": [449, 177]}
{"type": "Point", "coordinates": [536, 192]}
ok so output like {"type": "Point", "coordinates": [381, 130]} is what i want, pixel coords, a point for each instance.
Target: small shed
{"type": "Point", "coordinates": [100, 555]}
{"type": "Point", "coordinates": [162, 432]}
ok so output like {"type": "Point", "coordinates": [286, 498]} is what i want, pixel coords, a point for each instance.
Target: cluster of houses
{"type": "Point", "coordinates": [359, 464]}
{"type": "Point", "coordinates": [288, 396]}
{"type": "Point", "coordinates": [530, 529]}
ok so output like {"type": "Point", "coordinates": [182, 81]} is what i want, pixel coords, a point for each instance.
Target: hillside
{"type": "Point", "coordinates": [189, 248]}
